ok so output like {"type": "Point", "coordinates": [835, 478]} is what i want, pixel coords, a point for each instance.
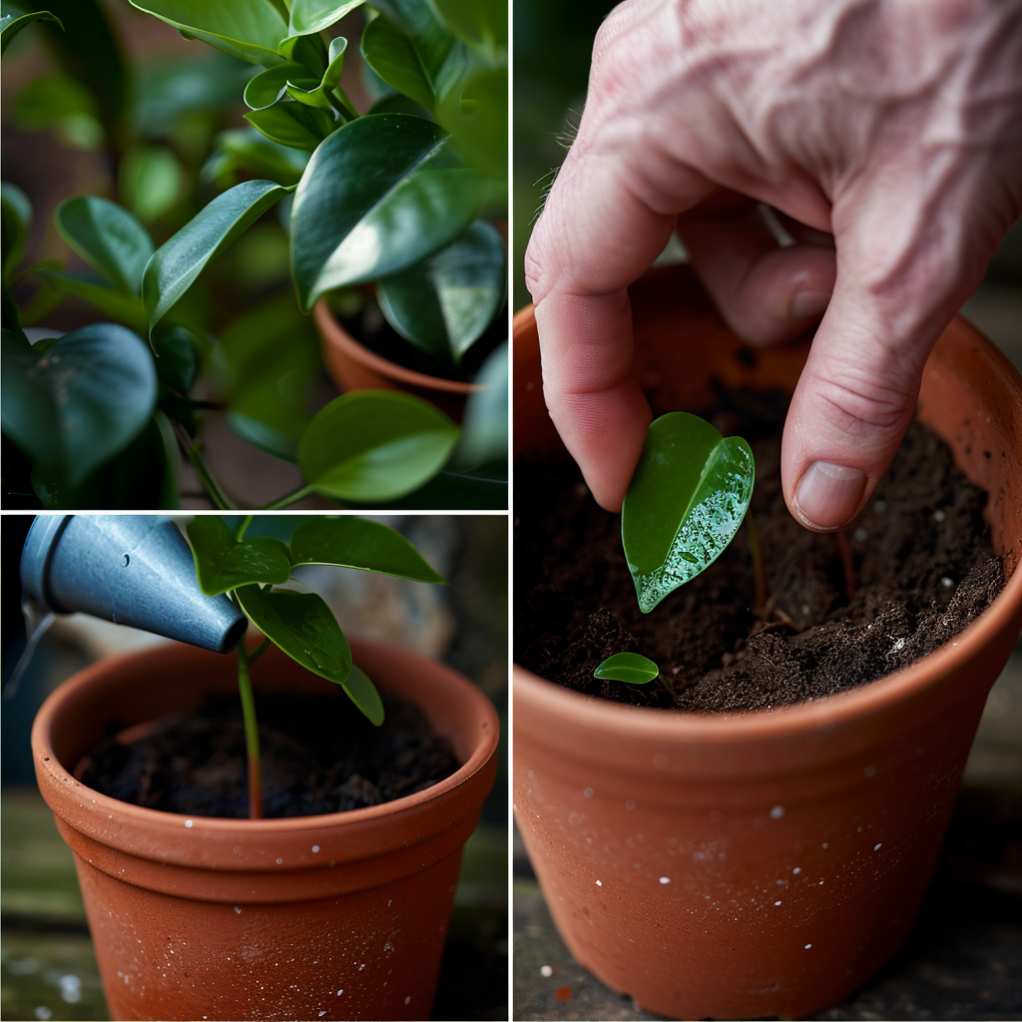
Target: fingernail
{"type": "Point", "coordinates": [828, 495]}
{"type": "Point", "coordinates": [809, 303]}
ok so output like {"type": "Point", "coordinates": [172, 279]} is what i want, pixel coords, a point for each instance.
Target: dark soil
{"type": "Point", "coordinates": [370, 329]}
{"type": "Point", "coordinates": [319, 755]}
{"type": "Point", "coordinates": [923, 569]}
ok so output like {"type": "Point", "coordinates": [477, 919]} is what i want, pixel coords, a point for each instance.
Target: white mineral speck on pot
{"type": "Point", "coordinates": [280, 862]}
{"type": "Point", "coordinates": [797, 870]}
{"type": "Point", "coordinates": [189, 823]}
{"type": "Point", "coordinates": [588, 793]}
{"type": "Point", "coordinates": [665, 880]}
{"type": "Point", "coordinates": [777, 812]}
{"type": "Point", "coordinates": [777, 903]}
{"type": "Point", "coordinates": [808, 946]}
{"type": "Point", "coordinates": [599, 883]}
{"type": "Point", "coordinates": [315, 849]}
{"type": "Point", "coordinates": [237, 909]}
{"type": "Point", "coordinates": [339, 992]}
{"type": "Point", "coordinates": [876, 847]}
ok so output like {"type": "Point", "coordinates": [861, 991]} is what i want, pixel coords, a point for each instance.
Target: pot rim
{"type": "Point", "coordinates": [335, 334]}
{"type": "Point", "coordinates": [352, 819]}
{"type": "Point", "coordinates": [706, 729]}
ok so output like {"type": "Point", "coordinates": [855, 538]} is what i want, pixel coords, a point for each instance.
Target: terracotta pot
{"type": "Point", "coordinates": [341, 916]}
{"type": "Point", "coordinates": [355, 367]}
{"type": "Point", "coordinates": [765, 863]}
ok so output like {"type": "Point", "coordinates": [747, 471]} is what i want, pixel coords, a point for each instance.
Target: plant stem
{"type": "Point", "coordinates": [667, 685]}
{"type": "Point", "coordinates": [291, 498]}
{"type": "Point", "coordinates": [255, 784]}
{"type": "Point", "coordinates": [846, 563]}
{"type": "Point", "coordinates": [246, 521]}
{"type": "Point", "coordinates": [258, 652]}
{"type": "Point", "coordinates": [757, 565]}
{"type": "Point", "coordinates": [190, 449]}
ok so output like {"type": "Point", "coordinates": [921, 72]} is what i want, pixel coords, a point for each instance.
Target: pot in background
{"type": "Point", "coordinates": [353, 366]}
{"type": "Point", "coordinates": [765, 863]}
{"type": "Point", "coordinates": [340, 916]}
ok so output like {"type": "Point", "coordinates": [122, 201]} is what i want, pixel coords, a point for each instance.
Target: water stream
{"type": "Point", "coordinates": [37, 620]}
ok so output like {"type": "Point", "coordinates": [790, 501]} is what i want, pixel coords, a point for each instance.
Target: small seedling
{"type": "Point", "coordinates": [687, 499]}
{"type": "Point", "coordinates": [631, 668]}
{"type": "Point", "coordinates": [301, 624]}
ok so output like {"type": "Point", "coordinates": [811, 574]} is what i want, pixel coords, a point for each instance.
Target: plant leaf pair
{"type": "Point", "coordinates": [224, 563]}
{"type": "Point", "coordinates": [685, 503]}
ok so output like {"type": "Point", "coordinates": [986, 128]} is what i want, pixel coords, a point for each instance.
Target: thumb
{"type": "Point", "coordinates": [858, 390]}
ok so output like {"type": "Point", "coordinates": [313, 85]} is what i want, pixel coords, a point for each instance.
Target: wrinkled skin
{"type": "Point", "coordinates": [887, 135]}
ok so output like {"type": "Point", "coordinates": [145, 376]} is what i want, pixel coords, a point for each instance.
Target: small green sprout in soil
{"type": "Point", "coordinates": [631, 668]}
{"type": "Point", "coordinates": [299, 623]}
{"type": "Point", "coordinates": [687, 499]}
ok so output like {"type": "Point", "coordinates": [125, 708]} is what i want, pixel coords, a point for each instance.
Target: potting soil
{"type": "Point", "coordinates": [319, 755]}
{"type": "Point", "coordinates": [923, 569]}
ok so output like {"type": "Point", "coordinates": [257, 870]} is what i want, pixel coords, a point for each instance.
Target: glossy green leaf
{"type": "Point", "coordinates": [168, 90]}
{"type": "Point", "coordinates": [15, 220]}
{"type": "Point", "coordinates": [124, 308]}
{"type": "Point", "coordinates": [352, 542]}
{"type": "Point", "coordinates": [362, 692]}
{"type": "Point", "coordinates": [685, 503]}
{"type": "Point", "coordinates": [107, 237]}
{"type": "Point", "coordinates": [176, 264]}
{"type": "Point", "coordinates": [249, 152]}
{"type": "Point", "coordinates": [292, 124]}
{"type": "Point", "coordinates": [308, 50]}
{"type": "Point", "coordinates": [480, 23]}
{"type": "Point", "coordinates": [303, 626]}
{"type": "Point", "coordinates": [475, 113]}
{"type": "Point", "coordinates": [395, 103]}
{"type": "Point", "coordinates": [247, 29]}
{"type": "Point", "coordinates": [18, 16]}
{"type": "Point", "coordinates": [374, 445]}
{"type": "Point", "coordinates": [628, 667]}
{"type": "Point", "coordinates": [223, 563]}
{"type": "Point", "coordinates": [478, 489]}
{"type": "Point", "coordinates": [265, 88]}
{"type": "Point", "coordinates": [269, 359]}
{"type": "Point", "coordinates": [484, 431]}
{"type": "Point", "coordinates": [308, 16]}
{"type": "Point", "coordinates": [324, 93]}
{"type": "Point", "coordinates": [445, 303]}
{"type": "Point", "coordinates": [79, 402]}
{"type": "Point", "coordinates": [380, 194]}
{"type": "Point", "coordinates": [151, 180]}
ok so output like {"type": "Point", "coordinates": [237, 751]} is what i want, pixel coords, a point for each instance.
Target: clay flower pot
{"type": "Point", "coordinates": [765, 863]}
{"type": "Point", "coordinates": [342, 916]}
{"type": "Point", "coordinates": [354, 367]}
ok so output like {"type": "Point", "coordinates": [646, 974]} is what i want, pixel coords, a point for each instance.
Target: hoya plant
{"type": "Point", "coordinates": [252, 572]}
{"type": "Point", "coordinates": [396, 198]}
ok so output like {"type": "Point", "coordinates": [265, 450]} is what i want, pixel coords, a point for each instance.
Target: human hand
{"type": "Point", "coordinates": [888, 135]}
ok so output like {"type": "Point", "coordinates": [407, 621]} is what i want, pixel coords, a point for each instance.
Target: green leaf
{"type": "Point", "coordinates": [80, 402]}
{"type": "Point", "coordinates": [685, 503]}
{"type": "Point", "coordinates": [308, 16]}
{"type": "Point", "coordinates": [303, 626]}
{"type": "Point", "coordinates": [479, 489]}
{"type": "Point", "coordinates": [627, 667]}
{"type": "Point", "coordinates": [61, 104]}
{"type": "Point", "coordinates": [375, 445]}
{"type": "Point", "coordinates": [176, 264]}
{"type": "Point", "coordinates": [151, 180]}
{"type": "Point", "coordinates": [268, 383]}
{"type": "Point", "coordinates": [126, 309]}
{"type": "Point", "coordinates": [307, 50]}
{"type": "Point", "coordinates": [445, 303]}
{"type": "Point", "coordinates": [380, 194]}
{"type": "Point", "coordinates": [353, 542]}
{"type": "Point", "coordinates": [17, 16]}
{"type": "Point", "coordinates": [320, 92]}
{"type": "Point", "coordinates": [395, 103]}
{"type": "Point", "coordinates": [363, 694]}
{"type": "Point", "coordinates": [107, 237]}
{"type": "Point", "coordinates": [252, 153]}
{"type": "Point", "coordinates": [292, 124]}
{"type": "Point", "coordinates": [484, 427]}
{"type": "Point", "coordinates": [475, 112]}
{"type": "Point", "coordinates": [223, 563]}
{"type": "Point", "coordinates": [265, 88]}
{"type": "Point", "coordinates": [247, 29]}
{"type": "Point", "coordinates": [480, 23]}
{"type": "Point", "coordinates": [15, 220]}
{"type": "Point", "coordinates": [177, 364]}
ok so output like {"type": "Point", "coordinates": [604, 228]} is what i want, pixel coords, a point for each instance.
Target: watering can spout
{"type": "Point", "coordinates": [133, 570]}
